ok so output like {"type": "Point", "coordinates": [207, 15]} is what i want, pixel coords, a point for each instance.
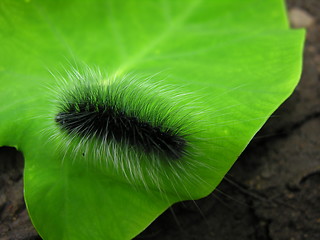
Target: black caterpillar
{"type": "Point", "coordinates": [125, 111]}
{"type": "Point", "coordinates": [91, 119]}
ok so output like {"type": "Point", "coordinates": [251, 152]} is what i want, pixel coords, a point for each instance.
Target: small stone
{"type": "Point", "coordinates": [300, 18]}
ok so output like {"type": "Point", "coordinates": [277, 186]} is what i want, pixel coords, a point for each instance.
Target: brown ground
{"type": "Point", "coordinates": [271, 193]}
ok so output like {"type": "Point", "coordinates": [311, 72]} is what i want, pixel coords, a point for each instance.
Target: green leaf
{"type": "Point", "coordinates": [239, 56]}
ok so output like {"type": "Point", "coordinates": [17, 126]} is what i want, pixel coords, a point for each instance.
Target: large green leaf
{"type": "Point", "coordinates": [239, 56]}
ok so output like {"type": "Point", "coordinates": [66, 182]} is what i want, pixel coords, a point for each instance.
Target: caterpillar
{"type": "Point", "coordinates": [130, 127]}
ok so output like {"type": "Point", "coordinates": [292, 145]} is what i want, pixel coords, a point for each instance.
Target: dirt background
{"type": "Point", "coordinates": [271, 193]}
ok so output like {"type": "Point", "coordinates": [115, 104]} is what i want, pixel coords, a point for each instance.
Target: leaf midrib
{"type": "Point", "coordinates": [156, 40]}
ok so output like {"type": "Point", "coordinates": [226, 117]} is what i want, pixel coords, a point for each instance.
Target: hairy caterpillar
{"type": "Point", "coordinates": [129, 127]}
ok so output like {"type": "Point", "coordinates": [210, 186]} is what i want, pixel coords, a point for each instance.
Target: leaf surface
{"type": "Point", "coordinates": [239, 56]}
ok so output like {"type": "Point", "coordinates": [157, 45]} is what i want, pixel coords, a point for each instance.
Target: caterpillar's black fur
{"type": "Point", "coordinates": [91, 119]}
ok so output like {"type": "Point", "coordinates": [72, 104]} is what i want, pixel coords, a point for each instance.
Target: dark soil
{"type": "Point", "coordinates": [271, 193]}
